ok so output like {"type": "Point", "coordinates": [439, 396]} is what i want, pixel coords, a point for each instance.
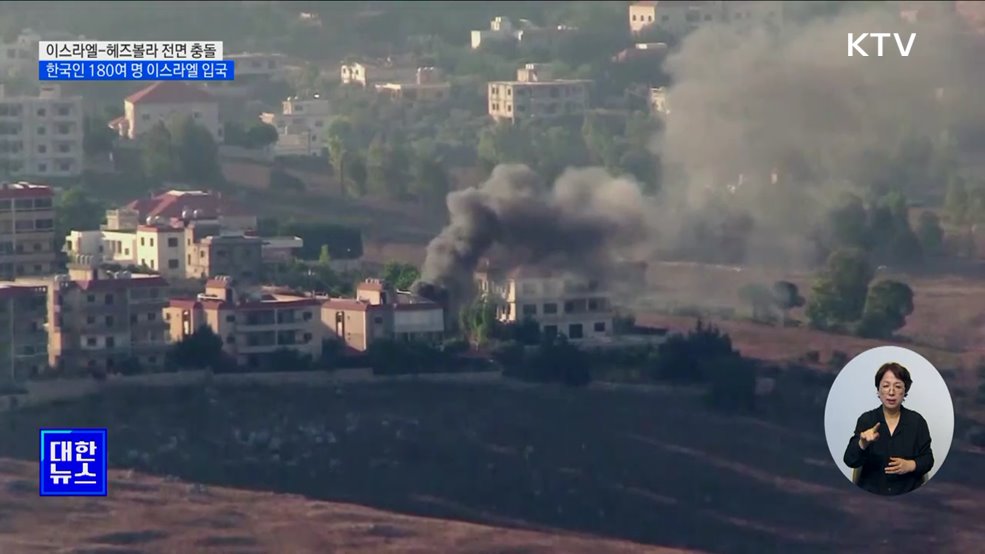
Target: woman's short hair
{"type": "Point", "coordinates": [899, 371]}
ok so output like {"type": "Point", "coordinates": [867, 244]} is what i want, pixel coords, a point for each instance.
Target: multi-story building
{"type": "Point", "coordinates": [179, 249]}
{"type": "Point", "coordinates": [369, 74]}
{"type": "Point", "coordinates": [379, 312]}
{"type": "Point", "coordinates": [238, 257]}
{"type": "Point", "coordinates": [501, 30]}
{"type": "Point", "coordinates": [253, 72]}
{"type": "Point", "coordinates": [679, 17]}
{"type": "Point", "coordinates": [253, 324]}
{"type": "Point", "coordinates": [164, 101]}
{"type": "Point", "coordinates": [19, 57]}
{"type": "Point", "coordinates": [560, 303]}
{"type": "Point", "coordinates": [426, 87]}
{"type": "Point", "coordinates": [41, 135]}
{"type": "Point", "coordinates": [26, 230]}
{"type": "Point", "coordinates": [23, 338]}
{"type": "Point", "coordinates": [300, 126]}
{"type": "Point", "coordinates": [658, 102]}
{"type": "Point", "coordinates": [534, 95]}
{"type": "Point", "coordinates": [104, 321]}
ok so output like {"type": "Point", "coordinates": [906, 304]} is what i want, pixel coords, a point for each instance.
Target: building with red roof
{"type": "Point", "coordinates": [164, 101]}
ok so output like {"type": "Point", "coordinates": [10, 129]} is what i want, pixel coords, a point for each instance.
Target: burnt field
{"type": "Point", "coordinates": [651, 467]}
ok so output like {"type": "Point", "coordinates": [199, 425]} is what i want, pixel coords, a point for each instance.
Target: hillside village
{"type": "Point", "coordinates": [492, 199]}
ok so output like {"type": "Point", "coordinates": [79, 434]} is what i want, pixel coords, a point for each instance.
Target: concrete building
{"type": "Point", "coordinates": [164, 101]}
{"type": "Point", "coordinates": [41, 135]}
{"type": "Point", "coordinates": [428, 86]}
{"type": "Point", "coordinates": [679, 17]}
{"type": "Point", "coordinates": [534, 95]}
{"type": "Point", "coordinates": [252, 323]}
{"type": "Point", "coordinates": [658, 102]}
{"type": "Point", "coordinates": [380, 312]}
{"type": "Point", "coordinates": [23, 338]}
{"type": "Point", "coordinates": [104, 321]}
{"type": "Point", "coordinates": [239, 257]}
{"type": "Point", "coordinates": [27, 223]}
{"type": "Point", "coordinates": [300, 126]}
{"type": "Point", "coordinates": [187, 204]}
{"type": "Point", "coordinates": [579, 308]}
{"type": "Point", "coordinates": [368, 74]}
{"type": "Point", "coordinates": [19, 57]}
{"type": "Point", "coordinates": [501, 29]}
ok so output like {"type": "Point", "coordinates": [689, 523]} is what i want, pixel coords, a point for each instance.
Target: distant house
{"type": "Point", "coordinates": [163, 101]}
{"type": "Point", "coordinates": [367, 74]}
{"type": "Point", "coordinates": [428, 86]}
{"type": "Point", "coordinates": [535, 95]}
{"type": "Point", "coordinates": [680, 17]}
{"type": "Point", "coordinates": [300, 126]}
{"type": "Point", "coordinates": [501, 29]}
{"type": "Point", "coordinates": [380, 312]}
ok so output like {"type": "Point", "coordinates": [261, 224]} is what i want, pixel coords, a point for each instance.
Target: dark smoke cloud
{"type": "Point", "coordinates": [796, 103]}
{"type": "Point", "coordinates": [740, 104]}
{"type": "Point", "coordinates": [583, 223]}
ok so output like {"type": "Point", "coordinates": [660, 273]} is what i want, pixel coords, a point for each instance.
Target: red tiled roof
{"type": "Point", "coordinates": [121, 284]}
{"type": "Point", "coordinates": [170, 92]}
{"type": "Point", "coordinates": [19, 291]}
{"type": "Point", "coordinates": [168, 205]}
{"type": "Point", "coordinates": [33, 191]}
{"type": "Point", "coordinates": [370, 285]}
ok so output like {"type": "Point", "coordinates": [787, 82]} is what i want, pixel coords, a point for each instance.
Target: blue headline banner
{"type": "Point", "coordinates": [130, 70]}
{"type": "Point", "coordinates": [73, 462]}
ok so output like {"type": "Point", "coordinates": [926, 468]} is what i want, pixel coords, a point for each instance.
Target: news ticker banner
{"type": "Point", "coordinates": [133, 61]}
{"type": "Point", "coordinates": [73, 462]}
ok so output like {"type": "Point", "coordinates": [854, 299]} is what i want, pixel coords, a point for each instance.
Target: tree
{"type": "Point", "coordinates": [97, 137]}
{"type": "Point", "coordinates": [341, 141]}
{"type": "Point", "coordinates": [376, 178]}
{"type": "Point", "coordinates": [686, 357]}
{"type": "Point", "coordinates": [400, 276]}
{"type": "Point", "coordinates": [156, 156]}
{"type": "Point", "coordinates": [430, 181]}
{"type": "Point", "coordinates": [195, 153]}
{"type": "Point", "coordinates": [786, 296]}
{"type": "Point", "coordinates": [478, 321]}
{"type": "Point", "coordinates": [956, 201]}
{"type": "Point", "coordinates": [504, 143]}
{"type": "Point", "coordinates": [930, 233]}
{"type": "Point", "coordinates": [324, 257]}
{"type": "Point", "coordinates": [201, 349]}
{"type": "Point", "coordinates": [886, 307]}
{"type": "Point", "coordinates": [76, 211]}
{"type": "Point", "coordinates": [761, 301]}
{"type": "Point", "coordinates": [839, 293]}
{"type": "Point", "coordinates": [849, 223]}
{"type": "Point", "coordinates": [260, 135]}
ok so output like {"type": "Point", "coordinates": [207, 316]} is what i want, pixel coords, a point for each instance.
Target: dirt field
{"type": "Point", "coordinates": [654, 468]}
{"type": "Point", "coordinates": [947, 325]}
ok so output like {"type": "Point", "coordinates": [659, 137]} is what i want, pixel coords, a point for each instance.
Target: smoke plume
{"type": "Point", "coordinates": [765, 129]}
{"type": "Point", "coordinates": [583, 223]}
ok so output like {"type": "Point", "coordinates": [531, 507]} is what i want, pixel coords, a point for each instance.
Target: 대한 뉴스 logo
{"type": "Point", "coordinates": [73, 462]}
{"type": "Point", "coordinates": [856, 41]}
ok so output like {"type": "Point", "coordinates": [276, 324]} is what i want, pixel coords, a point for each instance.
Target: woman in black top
{"type": "Point", "coordinates": [891, 444]}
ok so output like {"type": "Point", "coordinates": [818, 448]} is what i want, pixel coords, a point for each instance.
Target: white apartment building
{"type": "Point", "coordinates": [164, 101]}
{"type": "Point", "coordinates": [679, 18]}
{"type": "Point", "coordinates": [300, 126]}
{"type": "Point", "coordinates": [534, 94]}
{"type": "Point", "coordinates": [579, 308]}
{"type": "Point", "coordinates": [19, 57]}
{"type": "Point", "coordinates": [41, 136]}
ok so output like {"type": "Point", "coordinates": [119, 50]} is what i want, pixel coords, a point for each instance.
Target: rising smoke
{"type": "Point", "coordinates": [755, 104]}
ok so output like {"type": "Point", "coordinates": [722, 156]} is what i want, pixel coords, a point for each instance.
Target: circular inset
{"type": "Point", "coordinates": [889, 420]}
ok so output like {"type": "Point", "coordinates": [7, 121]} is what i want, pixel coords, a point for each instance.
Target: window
{"type": "Point", "coordinates": [307, 316]}
{"type": "Point", "coordinates": [41, 112]}
{"type": "Point", "coordinates": [42, 149]}
{"type": "Point", "coordinates": [90, 320]}
{"type": "Point", "coordinates": [173, 242]}
{"type": "Point", "coordinates": [63, 110]}
{"type": "Point", "coordinates": [91, 298]}
{"type": "Point", "coordinates": [230, 319]}
{"type": "Point", "coordinates": [569, 307]}
{"type": "Point", "coordinates": [90, 341]}
{"type": "Point", "coordinates": [230, 339]}
{"type": "Point", "coordinates": [145, 117]}
{"type": "Point", "coordinates": [109, 321]}
{"type": "Point", "coordinates": [378, 320]}
{"type": "Point", "coordinates": [550, 331]}
{"type": "Point", "coordinates": [529, 309]}
{"type": "Point", "coordinates": [109, 300]}
{"type": "Point", "coordinates": [550, 309]}
{"type": "Point", "coordinates": [151, 316]}
{"type": "Point", "coordinates": [152, 242]}
{"type": "Point", "coordinates": [42, 130]}
{"type": "Point", "coordinates": [593, 305]}
{"type": "Point", "coordinates": [142, 243]}
{"type": "Point", "coordinates": [172, 264]}
{"type": "Point", "coordinates": [42, 168]}
{"type": "Point", "coordinates": [133, 319]}
{"type": "Point", "coordinates": [110, 342]}
{"type": "Point", "coordinates": [599, 327]}
{"type": "Point", "coordinates": [44, 224]}
{"type": "Point", "coordinates": [307, 337]}
{"type": "Point", "coordinates": [575, 331]}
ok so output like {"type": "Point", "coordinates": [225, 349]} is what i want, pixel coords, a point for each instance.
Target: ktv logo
{"type": "Point", "coordinates": [855, 43]}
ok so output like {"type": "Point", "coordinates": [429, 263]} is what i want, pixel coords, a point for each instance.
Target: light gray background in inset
{"type": "Point", "coordinates": [854, 392]}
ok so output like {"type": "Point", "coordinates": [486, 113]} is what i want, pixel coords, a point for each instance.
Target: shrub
{"type": "Point", "coordinates": [679, 358]}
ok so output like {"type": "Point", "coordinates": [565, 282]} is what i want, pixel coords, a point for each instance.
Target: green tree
{"type": "Point", "coordinates": [838, 296]}
{"type": "Point", "coordinates": [376, 177]}
{"type": "Point", "coordinates": [201, 349]}
{"type": "Point", "coordinates": [400, 276]}
{"type": "Point", "coordinates": [156, 155]}
{"type": "Point", "coordinates": [76, 211]}
{"type": "Point", "coordinates": [260, 135]}
{"type": "Point", "coordinates": [956, 201]}
{"type": "Point", "coordinates": [849, 223]}
{"type": "Point", "coordinates": [886, 307]}
{"type": "Point", "coordinates": [324, 257]}
{"type": "Point", "coordinates": [195, 153]}
{"type": "Point", "coordinates": [97, 137]}
{"type": "Point", "coordinates": [760, 300]}
{"type": "Point", "coordinates": [430, 181]}
{"type": "Point", "coordinates": [930, 233]}
{"type": "Point", "coordinates": [359, 175]}
{"type": "Point", "coordinates": [341, 141]}
{"type": "Point", "coordinates": [786, 296]}
{"type": "Point", "coordinates": [478, 321]}
{"type": "Point", "coordinates": [504, 143]}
